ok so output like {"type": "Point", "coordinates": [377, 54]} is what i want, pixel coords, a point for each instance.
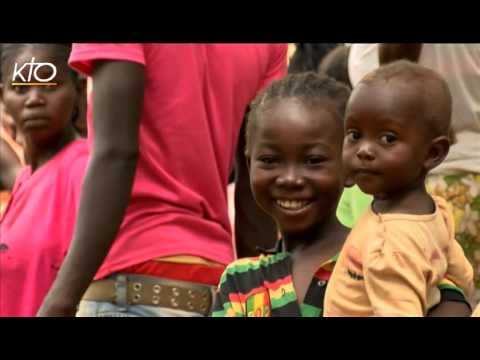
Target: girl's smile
{"type": "Point", "coordinates": [295, 165]}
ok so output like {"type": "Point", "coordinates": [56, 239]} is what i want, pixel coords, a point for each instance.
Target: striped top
{"type": "Point", "coordinates": [263, 287]}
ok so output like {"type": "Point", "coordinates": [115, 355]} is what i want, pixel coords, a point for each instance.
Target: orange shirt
{"type": "Point", "coordinates": [391, 265]}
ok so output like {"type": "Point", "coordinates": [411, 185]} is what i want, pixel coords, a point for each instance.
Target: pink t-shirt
{"type": "Point", "coordinates": [194, 103]}
{"type": "Point", "coordinates": [36, 229]}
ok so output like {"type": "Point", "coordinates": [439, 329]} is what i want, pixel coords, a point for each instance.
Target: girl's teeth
{"type": "Point", "coordinates": [292, 204]}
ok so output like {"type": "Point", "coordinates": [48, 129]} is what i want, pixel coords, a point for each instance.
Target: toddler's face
{"type": "Point", "coordinates": [385, 143]}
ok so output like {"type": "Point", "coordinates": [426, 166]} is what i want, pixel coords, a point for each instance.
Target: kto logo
{"type": "Point", "coordinates": [19, 79]}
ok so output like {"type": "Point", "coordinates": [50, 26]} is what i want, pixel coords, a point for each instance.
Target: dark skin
{"type": "Point", "coordinates": [280, 168]}
{"type": "Point", "coordinates": [295, 162]}
{"type": "Point", "coordinates": [328, 236]}
{"type": "Point", "coordinates": [107, 185]}
{"type": "Point", "coordinates": [254, 229]}
{"type": "Point", "coordinates": [335, 64]}
{"type": "Point", "coordinates": [388, 150]}
{"type": "Point", "coordinates": [71, 285]}
{"type": "Point", "coordinates": [388, 53]}
{"type": "Point", "coordinates": [80, 121]}
{"type": "Point", "coordinates": [389, 157]}
{"type": "Point", "coordinates": [450, 309]}
{"type": "Point", "coordinates": [411, 51]}
{"type": "Point", "coordinates": [43, 115]}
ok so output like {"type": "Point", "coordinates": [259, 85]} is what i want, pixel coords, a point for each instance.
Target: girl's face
{"type": "Point", "coordinates": [296, 163]}
{"type": "Point", "coordinates": [41, 113]}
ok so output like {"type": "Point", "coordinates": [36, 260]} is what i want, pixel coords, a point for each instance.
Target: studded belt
{"type": "Point", "coordinates": [125, 289]}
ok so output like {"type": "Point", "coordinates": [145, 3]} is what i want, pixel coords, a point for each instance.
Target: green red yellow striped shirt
{"type": "Point", "coordinates": [262, 287]}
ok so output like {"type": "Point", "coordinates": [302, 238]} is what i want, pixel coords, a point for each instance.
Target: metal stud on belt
{"type": "Point", "coordinates": [137, 286]}
{"type": "Point", "coordinates": [175, 292]}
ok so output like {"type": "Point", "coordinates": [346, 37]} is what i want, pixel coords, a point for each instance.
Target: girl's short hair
{"type": "Point", "coordinates": [309, 87]}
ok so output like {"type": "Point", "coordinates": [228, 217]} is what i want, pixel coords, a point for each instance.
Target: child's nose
{"type": "Point", "coordinates": [35, 97]}
{"type": "Point", "coordinates": [365, 152]}
{"type": "Point", "coordinates": [291, 177]}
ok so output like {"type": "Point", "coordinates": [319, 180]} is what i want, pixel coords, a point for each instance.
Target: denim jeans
{"type": "Point", "coordinates": [89, 308]}
{"type": "Point", "coordinates": [106, 309]}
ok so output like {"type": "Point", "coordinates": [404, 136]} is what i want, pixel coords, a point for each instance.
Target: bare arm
{"type": "Point", "coordinates": [390, 52]}
{"type": "Point", "coordinates": [253, 227]}
{"type": "Point", "coordinates": [451, 309]}
{"type": "Point", "coordinates": [117, 104]}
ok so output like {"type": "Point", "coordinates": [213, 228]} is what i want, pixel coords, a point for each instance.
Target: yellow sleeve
{"type": "Point", "coordinates": [396, 277]}
{"type": "Point", "coordinates": [460, 271]}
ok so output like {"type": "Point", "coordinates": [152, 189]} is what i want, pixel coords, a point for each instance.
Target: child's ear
{"type": "Point", "coordinates": [437, 152]}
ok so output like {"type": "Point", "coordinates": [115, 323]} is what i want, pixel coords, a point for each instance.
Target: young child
{"type": "Point", "coordinates": [397, 124]}
{"type": "Point", "coordinates": [294, 150]}
{"type": "Point", "coordinates": [37, 225]}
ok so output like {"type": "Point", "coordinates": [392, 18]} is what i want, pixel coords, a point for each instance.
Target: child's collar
{"type": "Point", "coordinates": [280, 247]}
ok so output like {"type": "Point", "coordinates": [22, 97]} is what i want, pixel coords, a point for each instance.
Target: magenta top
{"type": "Point", "coordinates": [194, 103]}
{"type": "Point", "coordinates": [36, 229]}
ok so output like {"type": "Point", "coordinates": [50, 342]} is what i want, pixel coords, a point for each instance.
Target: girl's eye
{"type": "Point", "coordinates": [50, 88]}
{"type": "Point", "coordinates": [314, 160]}
{"type": "Point", "coordinates": [267, 160]}
{"type": "Point", "coordinates": [19, 89]}
{"type": "Point", "coordinates": [388, 139]}
{"type": "Point", "coordinates": [353, 135]}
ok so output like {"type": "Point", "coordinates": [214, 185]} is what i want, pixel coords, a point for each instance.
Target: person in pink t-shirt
{"type": "Point", "coordinates": [37, 226]}
{"type": "Point", "coordinates": [163, 121]}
